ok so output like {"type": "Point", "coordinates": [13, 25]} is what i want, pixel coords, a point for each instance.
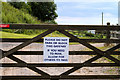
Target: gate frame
{"type": "Point", "coordinates": [62, 29]}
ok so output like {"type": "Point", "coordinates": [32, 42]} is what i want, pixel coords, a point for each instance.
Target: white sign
{"type": "Point", "coordinates": [56, 49]}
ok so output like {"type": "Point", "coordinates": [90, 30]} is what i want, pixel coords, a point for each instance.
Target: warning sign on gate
{"type": "Point", "coordinates": [56, 49]}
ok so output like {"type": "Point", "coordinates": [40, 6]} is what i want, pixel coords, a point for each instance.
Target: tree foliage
{"type": "Point", "coordinates": [44, 11]}
{"type": "Point", "coordinates": [22, 6]}
{"type": "Point", "coordinates": [13, 15]}
{"type": "Point", "coordinates": [20, 14]}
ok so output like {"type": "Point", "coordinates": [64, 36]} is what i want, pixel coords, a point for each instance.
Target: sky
{"type": "Point", "coordinates": [87, 12]}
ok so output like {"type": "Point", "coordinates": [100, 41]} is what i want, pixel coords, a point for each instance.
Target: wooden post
{"type": "Point", "coordinates": [119, 67]}
{"type": "Point", "coordinates": [108, 31]}
{"type": "Point", "coordinates": [108, 34]}
{"type": "Point", "coordinates": [118, 55]}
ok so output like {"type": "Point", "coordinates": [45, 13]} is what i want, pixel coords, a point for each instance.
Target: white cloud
{"type": "Point", "coordinates": [87, 20]}
{"type": "Point", "coordinates": [108, 15]}
{"type": "Point", "coordinates": [87, 6]}
{"type": "Point", "coordinates": [104, 8]}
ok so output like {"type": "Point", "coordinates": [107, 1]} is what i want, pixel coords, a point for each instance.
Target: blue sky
{"type": "Point", "coordinates": [86, 12]}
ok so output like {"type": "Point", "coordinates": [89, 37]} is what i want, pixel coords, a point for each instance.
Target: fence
{"type": "Point", "coordinates": [75, 66]}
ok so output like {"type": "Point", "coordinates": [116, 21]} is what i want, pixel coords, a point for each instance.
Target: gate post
{"type": "Point", "coordinates": [119, 66]}
{"type": "Point", "coordinates": [108, 34]}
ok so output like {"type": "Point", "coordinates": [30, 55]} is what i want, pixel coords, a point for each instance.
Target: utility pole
{"type": "Point", "coordinates": [102, 18]}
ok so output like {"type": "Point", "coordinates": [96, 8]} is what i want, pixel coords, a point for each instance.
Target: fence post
{"type": "Point", "coordinates": [119, 67]}
{"type": "Point", "coordinates": [108, 34]}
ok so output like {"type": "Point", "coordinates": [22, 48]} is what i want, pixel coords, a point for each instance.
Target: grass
{"type": "Point", "coordinates": [54, 34]}
{"type": "Point", "coordinates": [13, 35]}
{"type": "Point", "coordinates": [16, 36]}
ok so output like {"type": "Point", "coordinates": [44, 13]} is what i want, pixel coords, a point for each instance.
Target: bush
{"type": "Point", "coordinates": [89, 34]}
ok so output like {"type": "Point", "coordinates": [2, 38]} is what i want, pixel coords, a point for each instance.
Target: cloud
{"type": "Point", "coordinates": [86, 9]}
{"type": "Point", "coordinates": [77, 20]}
{"type": "Point", "coordinates": [92, 6]}
{"type": "Point", "coordinates": [87, 20]}
{"type": "Point", "coordinates": [104, 8]}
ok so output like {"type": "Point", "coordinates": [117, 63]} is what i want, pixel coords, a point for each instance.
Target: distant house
{"type": "Point", "coordinates": [115, 34]}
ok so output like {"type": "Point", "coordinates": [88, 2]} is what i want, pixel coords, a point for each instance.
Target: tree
{"type": "Point", "coordinates": [22, 6]}
{"type": "Point", "coordinates": [45, 11]}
